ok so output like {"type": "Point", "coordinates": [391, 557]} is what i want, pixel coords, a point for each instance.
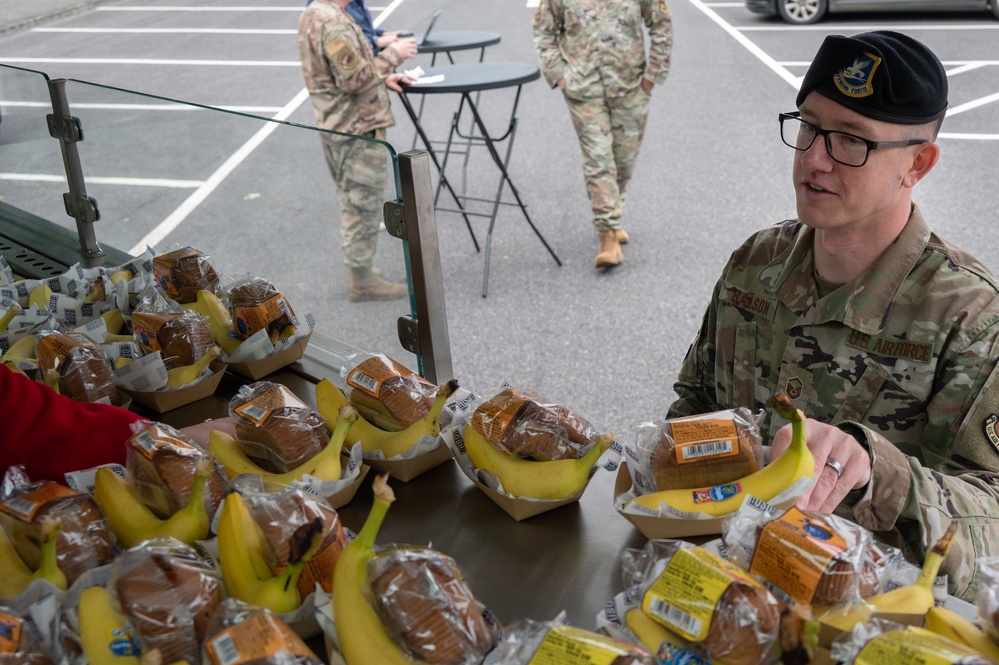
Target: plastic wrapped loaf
{"type": "Point", "coordinates": [161, 463]}
{"type": "Point", "coordinates": [288, 519]}
{"type": "Point", "coordinates": [170, 593]}
{"type": "Point", "coordinates": [880, 641]}
{"type": "Point", "coordinates": [84, 373]}
{"type": "Point", "coordinates": [526, 641]}
{"type": "Point", "coordinates": [257, 305]}
{"type": "Point", "coordinates": [84, 541]}
{"type": "Point", "coordinates": [388, 394]}
{"type": "Point", "coordinates": [241, 634]}
{"type": "Point", "coordinates": [18, 643]}
{"type": "Point", "coordinates": [180, 338]}
{"type": "Point", "coordinates": [807, 556]}
{"type": "Point", "coordinates": [276, 428]}
{"type": "Point", "coordinates": [527, 426]}
{"type": "Point", "coordinates": [422, 598]}
{"type": "Point", "coordinates": [701, 451]}
{"type": "Point", "coordinates": [711, 604]}
{"type": "Point", "coordinates": [184, 271]}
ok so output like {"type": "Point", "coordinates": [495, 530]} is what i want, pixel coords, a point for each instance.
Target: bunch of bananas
{"type": "Point", "coordinates": [132, 521]}
{"type": "Point", "coordinates": [948, 623]}
{"type": "Point", "coordinates": [330, 400]}
{"type": "Point", "coordinates": [107, 636]}
{"type": "Point", "coordinates": [534, 479]}
{"type": "Point", "coordinates": [16, 576]}
{"type": "Point", "coordinates": [324, 465]}
{"type": "Point", "coordinates": [219, 320]}
{"type": "Point", "coordinates": [794, 465]}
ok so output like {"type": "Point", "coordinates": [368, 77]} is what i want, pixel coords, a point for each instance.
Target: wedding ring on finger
{"type": "Point", "coordinates": [835, 466]}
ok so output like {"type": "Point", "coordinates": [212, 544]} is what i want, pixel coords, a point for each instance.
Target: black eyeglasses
{"type": "Point", "coordinates": [847, 149]}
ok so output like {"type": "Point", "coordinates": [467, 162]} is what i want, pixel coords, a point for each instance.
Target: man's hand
{"type": "Point", "coordinates": [648, 85]}
{"type": "Point", "coordinates": [387, 38]}
{"type": "Point", "coordinates": [393, 81]}
{"type": "Point", "coordinates": [828, 443]}
{"type": "Point", "coordinates": [405, 48]}
{"type": "Point", "coordinates": [201, 432]}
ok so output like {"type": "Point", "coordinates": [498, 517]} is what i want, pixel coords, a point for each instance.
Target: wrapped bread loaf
{"type": "Point", "coordinates": [182, 272]}
{"type": "Point", "coordinates": [527, 426]}
{"type": "Point", "coordinates": [257, 305]}
{"type": "Point", "coordinates": [84, 541]}
{"type": "Point", "coordinates": [881, 641]}
{"type": "Point", "coordinates": [527, 641]}
{"type": "Point", "coordinates": [170, 593]}
{"type": "Point", "coordinates": [288, 519]}
{"type": "Point", "coordinates": [241, 634]}
{"type": "Point", "coordinates": [389, 394]}
{"type": "Point", "coordinates": [180, 338]}
{"type": "Point", "coordinates": [161, 463]}
{"type": "Point", "coordinates": [18, 644]}
{"type": "Point", "coordinates": [704, 450]}
{"type": "Point", "coordinates": [276, 428]}
{"type": "Point", "coordinates": [84, 373]}
{"type": "Point", "coordinates": [806, 556]}
{"type": "Point", "coordinates": [422, 598]}
{"type": "Point", "coordinates": [714, 605]}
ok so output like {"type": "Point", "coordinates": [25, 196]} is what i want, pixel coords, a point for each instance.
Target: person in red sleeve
{"type": "Point", "coordinates": [50, 434]}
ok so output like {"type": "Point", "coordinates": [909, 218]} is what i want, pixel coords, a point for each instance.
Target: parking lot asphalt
{"type": "Point", "coordinates": [19, 15]}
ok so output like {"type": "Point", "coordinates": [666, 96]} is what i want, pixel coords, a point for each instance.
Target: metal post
{"type": "Point", "coordinates": [434, 344]}
{"type": "Point", "coordinates": [66, 128]}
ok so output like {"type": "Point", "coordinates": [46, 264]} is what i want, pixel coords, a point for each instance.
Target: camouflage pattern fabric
{"type": "Point", "coordinates": [597, 48]}
{"type": "Point", "coordinates": [904, 355]}
{"type": "Point", "coordinates": [344, 77]}
{"type": "Point", "coordinates": [360, 172]}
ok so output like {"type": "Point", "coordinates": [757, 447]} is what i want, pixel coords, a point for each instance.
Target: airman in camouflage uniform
{"type": "Point", "coordinates": [895, 367]}
{"type": "Point", "coordinates": [594, 51]}
{"type": "Point", "coordinates": [348, 85]}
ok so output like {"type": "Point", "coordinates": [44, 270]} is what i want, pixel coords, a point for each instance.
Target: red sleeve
{"type": "Point", "coordinates": [50, 434]}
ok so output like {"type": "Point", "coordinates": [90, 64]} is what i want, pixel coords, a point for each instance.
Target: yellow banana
{"type": "Point", "coordinates": [113, 321]}
{"type": "Point", "coordinates": [654, 635]}
{"type": "Point", "coordinates": [950, 624]}
{"type": "Point", "coordinates": [181, 376]}
{"type": "Point", "coordinates": [114, 337]}
{"type": "Point", "coordinates": [240, 541]}
{"type": "Point", "coordinates": [362, 638]}
{"type": "Point", "coordinates": [795, 463]}
{"type": "Point", "coordinates": [329, 399]}
{"type": "Point", "coordinates": [324, 465]}
{"type": "Point", "coordinates": [9, 316]}
{"type": "Point", "coordinates": [219, 320]}
{"type": "Point", "coordinates": [107, 635]}
{"type": "Point", "coordinates": [132, 522]}
{"type": "Point", "coordinates": [40, 296]}
{"type": "Point", "coordinates": [22, 349]}
{"type": "Point", "coordinates": [123, 275]}
{"type": "Point", "coordinates": [15, 576]}
{"type": "Point", "coordinates": [121, 361]}
{"type": "Point", "coordinates": [551, 480]}
{"type": "Point", "coordinates": [915, 598]}
{"type": "Point", "coordinates": [52, 379]}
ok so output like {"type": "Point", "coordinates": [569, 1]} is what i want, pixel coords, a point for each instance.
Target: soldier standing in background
{"type": "Point", "coordinates": [594, 52]}
{"type": "Point", "coordinates": [348, 85]}
{"type": "Point", "coordinates": [884, 334]}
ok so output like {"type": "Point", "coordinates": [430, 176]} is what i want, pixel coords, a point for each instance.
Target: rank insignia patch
{"type": "Point", "coordinates": [793, 388]}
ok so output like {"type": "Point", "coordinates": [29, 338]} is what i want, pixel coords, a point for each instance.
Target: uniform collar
{"type": "Point", "coordinates": [864, 303]}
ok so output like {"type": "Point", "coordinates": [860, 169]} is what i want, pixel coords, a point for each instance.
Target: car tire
{"type": "Point", "coordinates": [804, 12]}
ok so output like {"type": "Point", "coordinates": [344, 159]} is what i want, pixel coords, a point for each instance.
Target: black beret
{"type": "Point", "coordinates": [882, 75]}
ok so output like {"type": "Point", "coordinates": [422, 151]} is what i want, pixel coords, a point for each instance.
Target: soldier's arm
{"type": "Point", "coordinates": [660, 23]}
{"type": "Point", "coordinates": [547, 27]}
{"type": "Point", "coordinates": [919, 502]}
{"type": "Point", "coordinates": [695, 384]}
{"type": "Point", "coordinates": [352, 67]}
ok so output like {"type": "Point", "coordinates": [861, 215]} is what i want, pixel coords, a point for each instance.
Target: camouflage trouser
{"type": "Point", "coordinates": [610, 132]}
{"type": "Point", "coordinates": [360, 172]}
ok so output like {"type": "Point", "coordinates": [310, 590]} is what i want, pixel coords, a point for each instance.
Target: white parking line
{"type": "Point", "coordinates": [242, 9]}
{"type": "Point", "coordinates": [146, 61]}
{"type": "Point", "coordinates": [114, 180]}
{"type": "Point", "coordinates": [169, 31]}
{"type": "Point", "coordinates": [268, 110]}
{"type": "Point", "coordinates": [832, 27]}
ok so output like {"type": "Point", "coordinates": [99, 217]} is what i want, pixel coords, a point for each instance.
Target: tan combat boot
{"type": "Point", "coordinates": [622, 236]}
{"type": "Point", "coordinates": [610, 250]}
{"type": "Point", "coordinates": [367, 284]}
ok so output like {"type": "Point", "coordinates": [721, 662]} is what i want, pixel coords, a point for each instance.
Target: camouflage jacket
{"type": "Point", "coordinates": [902, 357]}
{"type": "Point", "coordinates": [598, 47]}
{"type": "Point", "coordinates": [344, 77]}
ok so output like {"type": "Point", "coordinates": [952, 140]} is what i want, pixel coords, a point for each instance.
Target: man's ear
{"type": "Point", "coordinates": [925, 158]}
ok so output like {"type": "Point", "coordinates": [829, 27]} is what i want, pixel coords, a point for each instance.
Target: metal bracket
{"type": "Point", "coordinates": [395, 219]}
{"type": "Point", "coordinates": [83, 208]}
{"type": "Point", "coordinates": [409, 335]}
{"type": "Point", "coordinates": [65, 128]}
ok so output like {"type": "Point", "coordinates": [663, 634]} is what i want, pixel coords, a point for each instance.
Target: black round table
{"type": "Point", "coordinates": [446, 41]}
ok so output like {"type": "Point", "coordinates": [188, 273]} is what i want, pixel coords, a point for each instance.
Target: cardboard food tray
{"type": "Point", "coordinates": [257, 369]}
{"type": "Point", "coordinates": [343, 497]}
{"type": "Point", "coordinates": [167, 400]}
{"type": "Point", "coordinates": [405, 470]}
{"type": "Point", "coordinates": [669, 527]}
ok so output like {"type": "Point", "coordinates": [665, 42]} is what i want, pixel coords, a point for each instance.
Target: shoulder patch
{"type": "Point", "coordinates": [989, 427]}
{"type": "Point", "coordinates": [336, 46]}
